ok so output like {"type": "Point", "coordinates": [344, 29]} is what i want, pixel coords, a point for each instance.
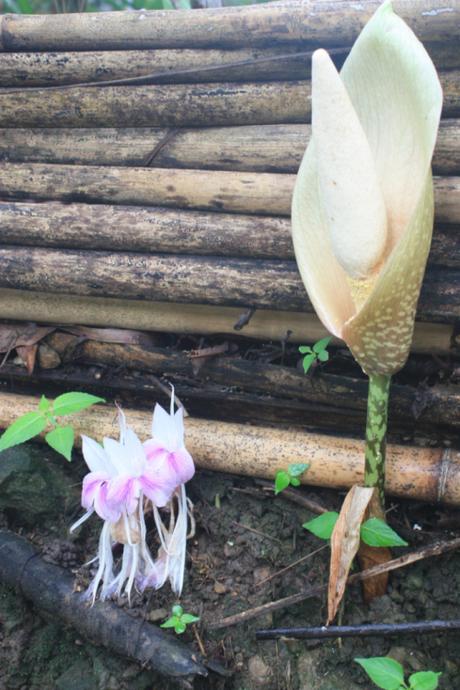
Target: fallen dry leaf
{"type": "Point", "coordinates": [345, 541]}
{"type": "Point", "coordinates": [21, 334]}
{"type": "Point", "coordinates": [28, 354]}
{"type": "Point", "coordinates": [369, 556]}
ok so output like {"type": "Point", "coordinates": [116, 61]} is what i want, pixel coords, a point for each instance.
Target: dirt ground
{"type": "Point", "coordinates": [244, 537]}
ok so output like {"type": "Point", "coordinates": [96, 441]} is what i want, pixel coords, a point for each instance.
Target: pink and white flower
{"type": "Point", "coordinates": [125, 476]}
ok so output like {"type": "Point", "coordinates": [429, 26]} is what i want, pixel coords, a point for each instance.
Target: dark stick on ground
{"type": "Point", "coordinates": [51, 589]}
{"type": "Point", "coordinates": [376, 630]}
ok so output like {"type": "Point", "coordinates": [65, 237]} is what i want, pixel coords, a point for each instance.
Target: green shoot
{"type": "Point", "coordinates": [289, 477]}
{"type": "Point", "coordinates": [374, 532]}
{"type": "Point", "coordinates": [316, 353]}
{"type": "Point", "coordinates": [179, 620]}
{"type": "Point", "coordinates": [60, 437]}
{"type": "Point", "coordinates": [388, 674]}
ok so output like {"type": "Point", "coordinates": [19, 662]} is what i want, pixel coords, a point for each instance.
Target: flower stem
{"type": "Point", "coordinates": [376, 430]}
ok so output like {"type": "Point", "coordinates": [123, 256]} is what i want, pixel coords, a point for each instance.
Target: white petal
{"type": "Point", "coordinates": [164, 429]}
{"type": "Point", "coordinates": [323, 277]}
{"type": "Point", "coordinates": [117, 455]}
{"type": "Point", "coordinates": [352, 201]}
{"type": "Point", "coordinates": [95, 456]}
{"type": "Point", "coordinates": [397, 96]}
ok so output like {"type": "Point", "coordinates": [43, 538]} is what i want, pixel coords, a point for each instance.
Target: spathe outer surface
{"type": "Point", "coordinates": [395, 92]}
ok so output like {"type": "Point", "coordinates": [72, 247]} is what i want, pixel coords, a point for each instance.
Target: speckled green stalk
{"type": "Point", "coordinates": [376, 430]}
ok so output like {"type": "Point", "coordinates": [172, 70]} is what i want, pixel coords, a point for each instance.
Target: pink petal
{"type": "Point", "coordinates": [183, 465]}
{"type": "Point", "coordinates": [91, 483]}
{"type": "Point", "coordinates": [122, 493]}
{"type": "Point", "coordinates": [103, 507]}
{"type": "Point", "coordinates": [159, 492]}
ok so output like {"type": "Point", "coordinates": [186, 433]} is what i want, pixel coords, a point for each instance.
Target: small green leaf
{"type": "Point", "coordinates": [188, 618]}
{"type": "Point", "coordinates": [44, 404]}
{"type": "Point", "coordinates": [424, 680]}
{"type": "Point", "coordinates": [180, 626]}
{"type": "Point", "coordinates": [323, 356]}
{"type": "Point", "coordinates": [282, 481]}
{"type": "Point", "coordinates": [376, 532]}
{"type": "Point", "coordinates": [61, 440]}
{"type": "Point", "coordinates": [307, 362]}
{"type": "Point", "coordinates": [323, 525]}
{"type": "Point", "coordinates": [170, 623]}
{"type": "Point", "coordinates": [305, 350]}
{"type": "Point", "coordinates": [295, 481]}
{"type": "Point", "coordinates": [67, 403]}
{"type": "Point", "coordinates": [386, 673]}
{"type": "Point", "coordinates": [23, 429]}
{"type": "Point", "coordinates": [298, 468]}
{"type": "Point", "coordinates": [177, 610]}
{"type": "Point", "coordinates": [322, 344]}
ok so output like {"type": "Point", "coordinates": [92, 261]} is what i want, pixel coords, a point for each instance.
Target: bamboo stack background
{"type": "Point", "coordinates": [147, 165]}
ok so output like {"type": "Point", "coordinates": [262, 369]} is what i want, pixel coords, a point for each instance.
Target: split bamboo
{"type": "Point", "coordinates": [334, 22]}
{"type": "Point", "coordinates": [158, 66]}
{"type": "Point", "coordinates": [297, 327]}
{"type": "Point", "coordinates": [441, 407]}
{"type": "Point", "coordinates": [253, 283]}
{"type": "Point", "coordinates": [157, 229]}
{"type": "Point", "coordinates": [236, 192]}
{"type": "Point", "coordinates": [430, 474]}
{"type": "Point", "coordinates": [250, 148]}
{"type": "Point", "coordinates": [175, 105]}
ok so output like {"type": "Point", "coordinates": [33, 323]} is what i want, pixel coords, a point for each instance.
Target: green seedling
{"type": "Point", "coordinates": [388, 674]}
{"type": "Point", "coordinates": [60, 437]}
{"type": "Point", "coordinates": [179, 620]}
{"type": "Point", "coordinates": [316, 353]}
{"type": "Point", "coordinates": [289, 477]}
{"type": "Point", "coordinates": [374, 532]}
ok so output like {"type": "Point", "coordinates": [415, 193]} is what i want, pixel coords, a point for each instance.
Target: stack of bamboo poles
{"type": "Point", "coordinates": [148, 161]}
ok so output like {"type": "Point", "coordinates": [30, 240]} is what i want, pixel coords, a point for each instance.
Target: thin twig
{"type": "Point", "coordinates": [258, 532]}
{"type": "Point", "coordinates": [372, 630]}
{"type": "Point", "coordinates": [292, 565]}
{"type": "Point", "coordinates": [170, 134]}
{"type": "Point", "coordinates": [294, 496]}
{"type": "Point", "coordinates": [407, 559]}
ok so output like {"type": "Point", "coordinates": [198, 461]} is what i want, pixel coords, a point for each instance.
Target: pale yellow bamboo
{"type": "Point", "coordinates": [321, 22]}
{"type": "Point", "coordinates": [189, 318]}
{"type": "Point", "coordinates": [429, 474]}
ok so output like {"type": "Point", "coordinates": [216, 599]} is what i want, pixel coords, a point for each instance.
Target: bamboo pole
{"type": "Point", "coordinates": [158, 229]}
{"type": "Point", "coordinates": [174, 66]}
{"type": "Point", "coordinates": [335, 22]}
{"type": "Point", "coordinates": [429, 474]}
{"type": "Point", "coordinates": [253, 193]}
{"type": "Point", "coordinates": [297, 327]}
{"type": "Point", "coordinates": [175, 105]}
{"type": "Point", "coordinates": [442, 404]}
{"type": "Point", "coordinates": [172, 105]}
{"type": "Point", "coordinates": [253, 283]}
{"type": "Point", "coordinates": [258, 193]}
{"type": "Point", "coordinates": [250, 148]}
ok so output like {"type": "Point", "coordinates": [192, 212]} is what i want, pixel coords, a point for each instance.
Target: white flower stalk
{"type": "Point", "coordinates": [362, 210]}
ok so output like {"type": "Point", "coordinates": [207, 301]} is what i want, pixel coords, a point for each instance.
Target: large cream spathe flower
{"type": "Point", "coordinates": [362, 212]}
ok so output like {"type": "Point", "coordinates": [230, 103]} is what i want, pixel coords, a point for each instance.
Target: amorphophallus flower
{"type": "Point", "coordinates": [362, 212]}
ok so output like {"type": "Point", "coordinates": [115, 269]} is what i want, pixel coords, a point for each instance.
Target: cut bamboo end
{"type": "Point", "coordinates": [199, 319]}
{"type": "Point", "coordinates": [429, 474]}
{"type": "Point", "coordinates": [335, 22]}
